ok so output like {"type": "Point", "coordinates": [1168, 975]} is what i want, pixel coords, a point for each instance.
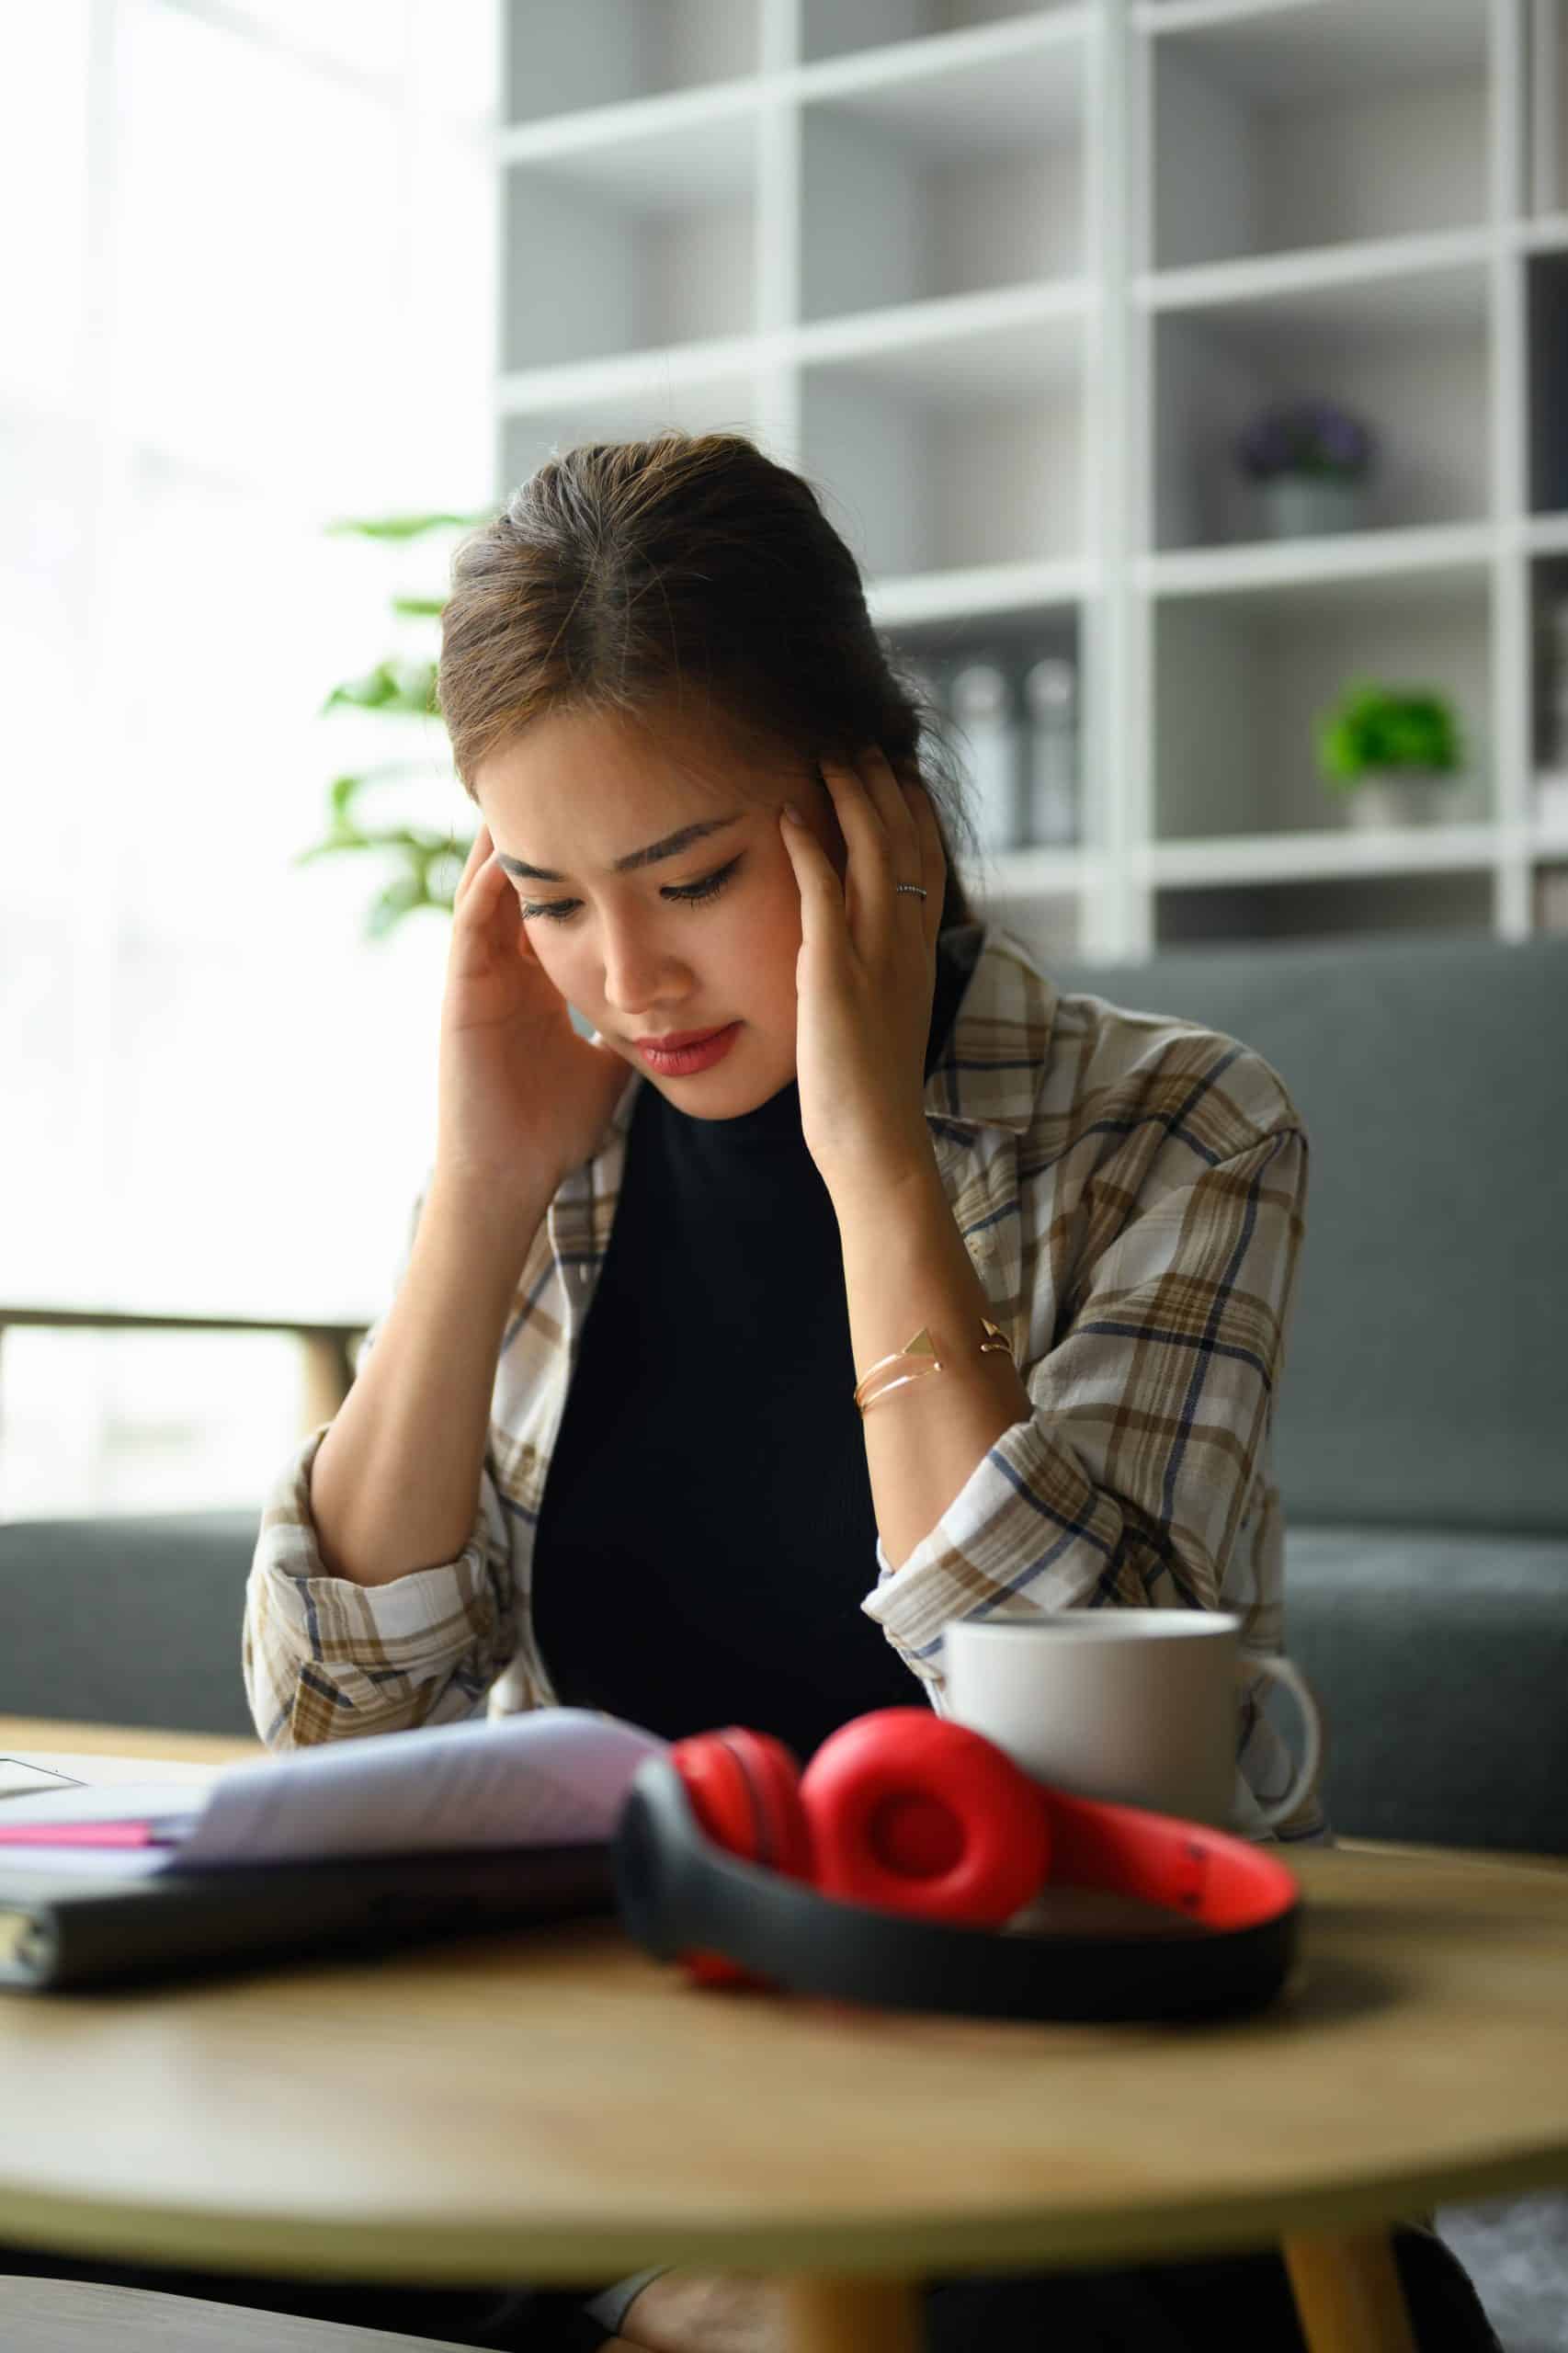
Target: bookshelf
{"type": "Point", "coordinates": [1005, 282]}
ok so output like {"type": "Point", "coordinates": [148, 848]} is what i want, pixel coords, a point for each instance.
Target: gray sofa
{"type": "Point", "coordinates": [1422, 1428]}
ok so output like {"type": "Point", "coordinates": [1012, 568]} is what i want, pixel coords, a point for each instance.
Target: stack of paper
{"type": "Point", "coordinates": [117, 1868]}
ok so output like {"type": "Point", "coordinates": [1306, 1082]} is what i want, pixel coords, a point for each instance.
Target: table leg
{"type": "Point", "coordinates": [1347, 2292]}
{"type": "Point", "coordinates": [829, 2314]}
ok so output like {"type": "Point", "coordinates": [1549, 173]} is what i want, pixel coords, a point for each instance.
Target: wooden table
{"type": "Point", "coordinates": [554, 2105]}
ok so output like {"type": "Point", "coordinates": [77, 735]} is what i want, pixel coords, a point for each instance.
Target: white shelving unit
{"type": "Point", "coordinates": [1005, 282]}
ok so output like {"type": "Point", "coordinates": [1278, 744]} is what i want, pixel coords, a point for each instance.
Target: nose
{"type": "Point", "coordinates": [640, 975]}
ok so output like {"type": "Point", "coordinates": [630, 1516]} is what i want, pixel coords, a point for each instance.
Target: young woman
{"type": "Point", "coordinates": [712, 808]}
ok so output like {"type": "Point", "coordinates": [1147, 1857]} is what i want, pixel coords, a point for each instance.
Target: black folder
{"type": "Point", "coordinates": [59, 1930]}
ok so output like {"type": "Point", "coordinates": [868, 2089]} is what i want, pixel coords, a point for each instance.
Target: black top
{"type": "Point", "coordinates": [706, 1533]}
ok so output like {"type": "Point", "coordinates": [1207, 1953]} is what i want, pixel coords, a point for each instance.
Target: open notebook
{"type": "Point", "coordinates": [445, 1829]}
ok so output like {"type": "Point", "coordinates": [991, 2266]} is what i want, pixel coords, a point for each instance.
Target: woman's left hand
{"type": "Point", "coordinates": [866, 976]}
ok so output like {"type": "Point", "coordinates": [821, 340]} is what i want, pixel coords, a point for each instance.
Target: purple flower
{"type": "Point", "coordinates": [1306, 436]}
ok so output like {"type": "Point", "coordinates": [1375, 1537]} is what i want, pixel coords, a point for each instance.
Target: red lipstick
{"type": "Point", "coordinates": [694, 1049]}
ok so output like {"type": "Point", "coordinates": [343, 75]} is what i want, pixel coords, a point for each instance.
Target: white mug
{"type": "Point", "coordinates": [1136, 1706]}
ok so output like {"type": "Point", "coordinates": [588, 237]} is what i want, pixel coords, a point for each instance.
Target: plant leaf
{"type": "Point", "coordinates": [391, 686]}
{"type": "Point", "coordinates": [405, 526]}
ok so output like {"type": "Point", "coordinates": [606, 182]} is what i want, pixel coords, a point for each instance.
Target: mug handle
{"type": "Point", "coordinates": [1288, 1673]}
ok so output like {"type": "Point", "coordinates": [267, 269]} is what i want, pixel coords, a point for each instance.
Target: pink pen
{"type": "Point", "coordinates": [93, 1834]}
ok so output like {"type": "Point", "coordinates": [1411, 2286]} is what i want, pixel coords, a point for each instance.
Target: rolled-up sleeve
{"type": "Point", "coordinates": [325, 1658]}
{"type": "Point", "coordinates": [1129, 1481]}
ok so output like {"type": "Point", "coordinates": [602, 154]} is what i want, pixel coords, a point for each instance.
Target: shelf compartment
{"type": "Point", "coordinates": [1546, 107]}
{"type": "Point", "coordinates": [1019, 742]}
{"type": "Point", "coordinates": [1240, 683]}
{"type": "Point", "coordinates": [1282, 127]}
{"type": "Point", "coordinates": [1549, 896]}
{"type": "Point", "coordinates": [1407, 352]}
{"type": "Point", "coordinates": [840, 28]}
{"type": "Point", "coordinates": [1546, 303]}
{"type": "Point", "coordinates": [1361, 906]}
{"type": "Point", "coordinates": [631, 245]}
{"type": "Point", "coordinates": [1546, 801]}
{"type": "Point", "coordinates": [725, 404]}
{"type": "Point", "coordinates": [951, 181]}
{"type": "Point", "coordinates": [597, 52]}
{"type": "Point", "coordinates": [943, 453]}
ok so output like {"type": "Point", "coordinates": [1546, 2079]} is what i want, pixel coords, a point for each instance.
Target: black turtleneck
{"type": "Point", "coordinates": [706, 1533]}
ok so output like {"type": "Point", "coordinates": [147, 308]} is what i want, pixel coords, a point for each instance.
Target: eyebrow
{"type": "Point", "coordinates": [671, 847]}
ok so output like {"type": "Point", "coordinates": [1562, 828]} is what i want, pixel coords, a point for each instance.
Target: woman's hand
{"type": "Point", "coordinates": [522, 1098]}
{"type": "Point", "coordinates": [695, 2312]}
{"type": "Point", "coordinates": [866, 976]}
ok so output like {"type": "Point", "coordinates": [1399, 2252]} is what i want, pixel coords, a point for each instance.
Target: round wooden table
{"type": "Point", "coordinates": [554, 2105]}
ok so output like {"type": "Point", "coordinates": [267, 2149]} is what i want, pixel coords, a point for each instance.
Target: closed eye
{"type": "Point", "coordinates": [689, 893]}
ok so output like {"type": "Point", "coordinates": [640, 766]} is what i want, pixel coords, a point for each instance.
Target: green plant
{"type": "Point", "coordinates": [1372, 728]}
{"type": "Point", "coordinates": [426, 864]}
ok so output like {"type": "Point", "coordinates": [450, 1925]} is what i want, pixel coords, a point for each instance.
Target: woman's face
{"type": "Point", "coordinates": [635, 952]}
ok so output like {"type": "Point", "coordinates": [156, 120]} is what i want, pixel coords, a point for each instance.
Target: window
{"type": "Point", "coordinates": [255, 297]}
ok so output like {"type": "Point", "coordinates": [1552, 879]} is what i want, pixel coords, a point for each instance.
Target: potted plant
{"type": "Point", "coordinates": [1310, 460]}
{"type": "Point", "coordinates": [426, 865]}
{"type": "Point", "coordinates": [1390, 753]}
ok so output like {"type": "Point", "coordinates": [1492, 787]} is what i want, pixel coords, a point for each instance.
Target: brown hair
{"type": "Point", "coordinates": [619, 570]}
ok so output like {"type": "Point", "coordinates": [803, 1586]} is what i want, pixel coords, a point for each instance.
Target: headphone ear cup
{"type": "Point", "coordinates": [912, 1813]}
{"type": "Point", "coordinates": [744, 1788]}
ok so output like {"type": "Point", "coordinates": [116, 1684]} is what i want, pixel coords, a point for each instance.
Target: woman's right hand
{"type": "Point", "coordinates": [522, 1098]}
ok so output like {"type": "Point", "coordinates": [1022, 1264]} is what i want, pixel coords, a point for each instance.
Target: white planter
{"type": "Point", "coordinates": [1298, 507]}
{"type": "Point", "coordinates": [1418, 797]}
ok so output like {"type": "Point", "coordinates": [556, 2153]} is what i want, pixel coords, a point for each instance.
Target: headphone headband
{"type": "Point", "coordinates": [1229, 1952]}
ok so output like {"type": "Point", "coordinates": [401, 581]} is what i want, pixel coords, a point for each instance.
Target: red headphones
{"type": "Point", "coordinates": [887, 1871]}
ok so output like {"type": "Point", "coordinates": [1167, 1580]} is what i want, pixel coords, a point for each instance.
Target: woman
{"type": "Point", "coordinates": [683, 1263]}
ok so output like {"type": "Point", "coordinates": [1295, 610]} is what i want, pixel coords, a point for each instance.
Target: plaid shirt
{"type": "Point", "coordinates": [1132, 1188]}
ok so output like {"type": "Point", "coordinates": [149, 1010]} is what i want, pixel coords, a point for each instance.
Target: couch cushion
{"type": "Point", "coordinates": [132, 1620]}
{"type": "Point", "coordinates": [1425, 1382]}
{"type": "Point", "coordinates": [1442, 1663]}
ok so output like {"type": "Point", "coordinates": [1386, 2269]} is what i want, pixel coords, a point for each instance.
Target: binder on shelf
{"type": "Point", "coordinates": [981, 703]}
{"type": "Point", "coordinates": [1051, 689]}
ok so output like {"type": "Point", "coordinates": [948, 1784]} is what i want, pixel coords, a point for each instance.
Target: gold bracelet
{"type": "Point", "coordinates": [922, 1347]}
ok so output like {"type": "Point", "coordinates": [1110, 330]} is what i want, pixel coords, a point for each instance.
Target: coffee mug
{"type": "Point", "coordinates": [1136, 1706]}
